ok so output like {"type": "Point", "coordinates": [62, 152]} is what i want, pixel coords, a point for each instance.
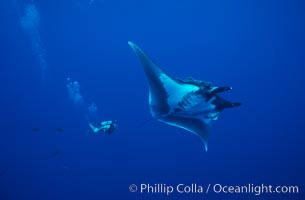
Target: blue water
{"type": "Point", "coordinates": [257, 47]}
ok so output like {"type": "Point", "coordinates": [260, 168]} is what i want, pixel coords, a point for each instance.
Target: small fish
{"type": "Point", "coordinates": [59, 129]}
{"type": "Point", "coordinates": [35, 129]}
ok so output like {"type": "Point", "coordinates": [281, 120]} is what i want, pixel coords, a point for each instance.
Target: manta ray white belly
{"type": "Point", "coordinates": [184, 101]}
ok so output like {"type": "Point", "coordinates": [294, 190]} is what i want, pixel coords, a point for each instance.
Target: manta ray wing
{"type": "Point", "coordinates": [157, 93]}
{"type": "Point", "coordinates": [196, 126]}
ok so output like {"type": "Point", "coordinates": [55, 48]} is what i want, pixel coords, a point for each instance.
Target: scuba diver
{"type": "Point", "coordinates": [105, 126]}
{"type": "Point", "coordinates": [89, 110]}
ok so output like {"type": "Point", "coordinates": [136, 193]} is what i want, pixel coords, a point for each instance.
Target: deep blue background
{"type": "Point", "coordinates": [257, 47]}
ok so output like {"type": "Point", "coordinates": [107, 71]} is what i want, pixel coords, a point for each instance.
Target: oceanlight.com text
{"type": "Point", "coordinates": [195, 188]}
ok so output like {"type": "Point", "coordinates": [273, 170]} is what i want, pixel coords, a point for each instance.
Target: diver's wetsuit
{"type": "Point", "coordinates": [106, 126]}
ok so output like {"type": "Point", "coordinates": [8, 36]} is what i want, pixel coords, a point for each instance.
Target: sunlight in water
{"type": "Point", "coordinates": [31, 18]}
{"type": "Point", "coordinates": [30, 23]}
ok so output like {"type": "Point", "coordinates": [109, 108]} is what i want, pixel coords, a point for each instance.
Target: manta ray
{"type": "Point", "coordinates": [188, 104]}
